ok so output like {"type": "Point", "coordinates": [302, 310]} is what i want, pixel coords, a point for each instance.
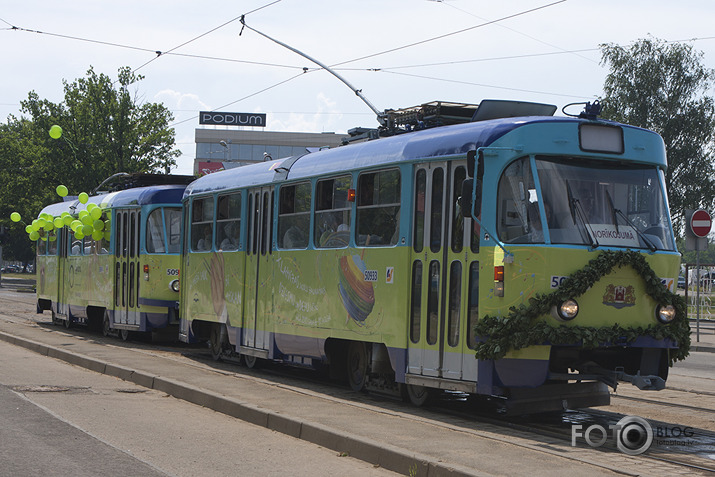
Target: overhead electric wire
{"type": "Point", "coordinates": [242, 99]}
{"type": "Point", "coordinates": [483, 85]}
{"type": "Point", "coordinates": [439, 37]}
{"type": "Point", "coordinates": [159, 53]}
{"type": "Point", "coordinates": [517, 31]}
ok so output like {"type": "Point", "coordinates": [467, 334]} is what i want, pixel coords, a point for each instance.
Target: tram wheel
{"type": "Point", "coordinates": [216, 342]}
{"type": "Point", "coordinates": [106, 325]}
{"type": "Point", "coordinates": [251, 361]}
{"type": "Point", "coordinates": [357, 365]}
{"type": "Point", "coordinates": [124, 335]}
{"type": "Point", "coordinates": [418, 395]}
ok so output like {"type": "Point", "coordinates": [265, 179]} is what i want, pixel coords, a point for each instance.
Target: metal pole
{"type": "Point", "coordinates": [697, 294]}
{"type": "Point", "coordinates": [380, 115]}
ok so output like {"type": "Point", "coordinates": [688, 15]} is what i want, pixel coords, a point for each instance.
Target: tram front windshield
{"type": "Point", "coordinates": [584, 202]}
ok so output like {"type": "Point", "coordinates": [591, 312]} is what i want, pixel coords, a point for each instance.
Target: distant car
{"type": "Point", "coordinates": [681, 282]}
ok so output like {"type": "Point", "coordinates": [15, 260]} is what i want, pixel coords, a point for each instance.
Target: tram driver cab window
{"type": "Point", "coordinates": [519, 219]}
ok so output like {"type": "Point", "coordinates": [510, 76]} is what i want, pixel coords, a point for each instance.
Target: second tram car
{"type": "Point", "coordinates": [362, 259]}
{"type": "Point", "coordinates": [128, 281]}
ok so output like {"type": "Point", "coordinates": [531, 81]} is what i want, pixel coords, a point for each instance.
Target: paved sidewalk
{"type": "Point", "coordinates": [706, 336]}
{"type": "Point", "coordinates": [405, 439]}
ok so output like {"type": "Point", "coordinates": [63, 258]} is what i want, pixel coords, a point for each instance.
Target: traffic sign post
{"type": "Point", "coordinates": [699, 223]}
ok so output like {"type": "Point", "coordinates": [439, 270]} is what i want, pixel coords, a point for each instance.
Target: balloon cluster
{"type": "Point", "coordinates": [90, 222]}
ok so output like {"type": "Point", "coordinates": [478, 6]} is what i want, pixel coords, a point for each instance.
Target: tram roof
{"type": "Point", "coordinates": [162, 194]}
{"type": "Point", "coordinates": [436, 142]}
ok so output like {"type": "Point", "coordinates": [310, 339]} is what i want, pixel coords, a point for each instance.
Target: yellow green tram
{"type": "Point", "coordinates": [542, 245]}
{"type": "Point", "coordinates": [127, 281]}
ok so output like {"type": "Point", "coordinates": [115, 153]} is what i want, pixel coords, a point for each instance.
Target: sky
{"type": "Point", "coordinates": [399, 53]}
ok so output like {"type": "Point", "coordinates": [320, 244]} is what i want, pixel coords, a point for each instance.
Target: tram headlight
{"type": "Point", "coordinates": [665, 313]}
{"type": "Point", "coordinates": [567, 310]}
{"type": "Point", "coordinates": [174, 285]}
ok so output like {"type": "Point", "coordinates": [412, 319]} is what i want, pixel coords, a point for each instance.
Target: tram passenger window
{"type": "Point", "coordinates": [419, 225]}
{"type": "Point", "coordinates": [41, 246]}
{"type": "Point", "coordinates": [88, 245]}
{"type": "Point", "coordinates": [435, 235]}
{"type": "Point", "coordinates": [294, 216]}
{"type": "Point", "coordinates": [202, 214]}
{"type": "Point", "coordinates": [416, 302]}
{"type": "Point", "coordinates": [155, 232]}
{"type": "Point", "coordinates": [455, 303]}
{"type": "Point", "coordinates": [473, 304]}
{"type": "Point", "coordinates": [378, 208]}
{"type": "Point", "coordinates": [332, 213]}
{"type": "Point", "coordinates": [228, 221]}
{"type": "Point", "coordinates": [457, 241]}
{"type": "Point", "coordinates": [52, 243]}
{"type": "Point", "coordinates": [75, 245]}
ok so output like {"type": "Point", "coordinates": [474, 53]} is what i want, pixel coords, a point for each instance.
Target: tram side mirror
{"type": "Point", "coordinates": [471, 156]}
{"type": "Point", "coordinates": [466, 199]}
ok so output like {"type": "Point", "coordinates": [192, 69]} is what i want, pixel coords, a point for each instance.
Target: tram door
{"type": "Point", "coordinates": [63, 244]}
{"type": "Point", "coordinates": [127, 271]}
{"type": "Point", "coordinates": [444, 266]}
{"type": "Point", "coordinates": [258, 297]}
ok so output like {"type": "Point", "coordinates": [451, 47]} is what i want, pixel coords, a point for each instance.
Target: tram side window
{"type": "Point", "coordinates": [89, 245]}
{"type": "Point", "coordinates": [517, 207]}
{"type": "Point", "coordinates": [155, 232]}
{"type": "Point", "coordinates": [172, 218]}
{"type": "Point", "coordinates": [228, 221]}
{"type": "Point", "coordinates": [75, 245]}
{"type": "Point", "coordinates": [332, 213]}
{"type": "Point", "coordinates": [52, 243]}
{"type": "Point", "coordinates": [419, 227]}
{"type": "Point", "coordinates": [378, 208]}
{"type": "Point", "coordinates": [41, 247]}
{"type": "Point", "coordinates": [294, 216]}
{"type": "Point", "coordinates": [202, 214]}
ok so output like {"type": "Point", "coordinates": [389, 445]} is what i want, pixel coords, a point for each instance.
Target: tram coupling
{"type": "Point", "coordinates": [611, 378]}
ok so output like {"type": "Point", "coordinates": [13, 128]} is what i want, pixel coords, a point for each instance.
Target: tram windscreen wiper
{"type": "Point", "coordinates": [577, 211]}
{"type": "Point", "coordinates": [614, 217]}
{"type": "Point", "coordinates": [650, 244]}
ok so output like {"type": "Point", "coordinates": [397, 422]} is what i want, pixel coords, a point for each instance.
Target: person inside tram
{"type": "Point", "coordinates": [204, 243]}
{"type": "Point", "coordinates": [230, 242]}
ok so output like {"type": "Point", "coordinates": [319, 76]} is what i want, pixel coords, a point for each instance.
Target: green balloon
{"type": "Point", "coordinates": [55, 132]}
{"type": "Point", "coordinates": [96, 213]}
{"type": "Point", "coordinates": [107, 235]}
{"type": "Point", "coordinates": [75, 225]}
{"type": "Point", "coordinates": [87, 229]}
{"type": "Point", "coordinates": [59, 222]}
{"type": "Point", "coordinates": [50, 226]}
{"type": "Point", "coordinates": [41, 223]}
{"type": "Point", "coordinates": [79, 235]}
{"type": "Point", "coordinates": [97, 235]}
{"type": "Point", "coordinates": [29, 229]}
{"type": "Point", "coordinates": [83, 197]}
{"type": "Point", "coordinates": [62, 190]}
{"type": "Point", "coordinates": [68, 219]}
{"type": "Point", "coordinates": [53, 238]}
{"type": "Point", "coordinates": [34, 235]}
{"type": "Point", "coordinates": [87, 219]}
{"type": "Point", "coordinates": [82, 213]}
{"type": "Point", "coordinates": [15, 217]}
{"type": "Point", "coordinates": [98, 225]}
{"type": "Point", "coordinates": [36, 225]}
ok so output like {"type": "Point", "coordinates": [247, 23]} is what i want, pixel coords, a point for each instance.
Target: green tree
{"type": "Point", "coordinates": [663, 87]}
{"type": "Point", "coordinates": [105, 129]}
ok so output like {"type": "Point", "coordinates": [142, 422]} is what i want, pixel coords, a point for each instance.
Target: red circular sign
{"type": "Point", "coordinates": [701, 223]}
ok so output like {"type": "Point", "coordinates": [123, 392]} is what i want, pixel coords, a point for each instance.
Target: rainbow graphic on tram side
{"type": "Point", "coordinates": [357, 294]}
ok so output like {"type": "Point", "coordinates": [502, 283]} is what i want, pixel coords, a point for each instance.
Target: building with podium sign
{"type": "Point", "coordinates": [219, 149]}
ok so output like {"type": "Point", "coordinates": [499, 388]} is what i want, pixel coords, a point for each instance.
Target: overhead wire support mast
{"type": "Point", "coordinates": [381, 116]}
